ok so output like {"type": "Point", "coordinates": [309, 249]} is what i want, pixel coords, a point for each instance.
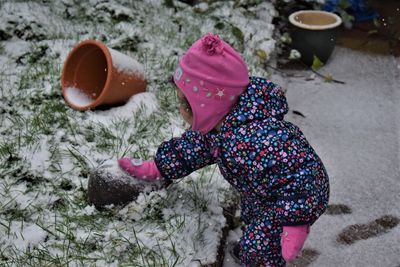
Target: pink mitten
{"type": "Point", "coordinates": [143, 170]}
{"type": "Point", "coordinates": [292, 240]}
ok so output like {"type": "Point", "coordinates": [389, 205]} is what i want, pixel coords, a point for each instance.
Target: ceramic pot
{"type": "Point", "coordinates": [314, 33]}
{"type": "Point", "coordinates": [94, 75]}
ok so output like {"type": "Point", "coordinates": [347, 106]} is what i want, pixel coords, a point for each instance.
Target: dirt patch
{"type": "Point", "coordinates": [355, 232]}
{"type": "Point", "coordinates": [338, 209]}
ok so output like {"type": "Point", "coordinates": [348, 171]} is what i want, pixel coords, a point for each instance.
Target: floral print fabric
{"type": "Point", "coordinates": [280, 178]}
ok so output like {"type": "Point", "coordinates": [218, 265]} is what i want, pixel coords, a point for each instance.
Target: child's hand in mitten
{"type": "Point", "coordinates": [143, 170]}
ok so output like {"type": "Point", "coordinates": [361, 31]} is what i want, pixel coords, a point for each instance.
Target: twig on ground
{"type": "Point", "coordinates": [324, 76]}
{"type": "Point", "coordinates": [317, 73]}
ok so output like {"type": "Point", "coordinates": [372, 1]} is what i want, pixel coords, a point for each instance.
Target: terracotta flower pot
{"type": "Point", "coordinates": [95, 75]}
{"type": "Point", "coordinates": [314, 33]}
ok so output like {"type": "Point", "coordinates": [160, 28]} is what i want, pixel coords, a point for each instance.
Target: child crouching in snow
{"type": "Point", "coordinates": [237, 122]}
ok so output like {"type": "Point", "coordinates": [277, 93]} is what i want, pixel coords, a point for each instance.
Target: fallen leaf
{"type": "Point", "coordinates": [317, 63]}
{"type": "Point", "coordinates": [262, 54]}
{"type": "Point", "coordinates": [328, 78]}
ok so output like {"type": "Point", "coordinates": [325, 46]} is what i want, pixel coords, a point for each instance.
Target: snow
{"type": "Point", "coordinates": [124, 63]}
{"type": "Point", "coordinates": [78, 97]}
{"type": "Point", "coordinates": [89, 210]}
{"type": "Point", "coordinates": [38, 156]}
{"type": "Point", "coordinates": [353, 129]}
{"type": "Point", "coordinates": [110, 171]}
{"type": "Point", "coordinates": [145, 100]}
{"type": "Point", "coordinates": [232, 238]}
{"type": "Point", "coordinates": [24, 236]}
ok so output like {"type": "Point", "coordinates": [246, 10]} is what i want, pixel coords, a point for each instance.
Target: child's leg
{"type": "Point", "coordinates": [260, 243]}
{"type": "Point", "coordinates": [292, 241]}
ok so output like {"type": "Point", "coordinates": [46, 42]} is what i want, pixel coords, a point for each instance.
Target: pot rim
{"type": "Point", "coordinates": [338, 20]}
{"type": "Point", "coordinates": [107, 55]}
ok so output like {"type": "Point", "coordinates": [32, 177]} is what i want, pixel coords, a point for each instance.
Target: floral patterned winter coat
{"type": "Point", "coordinates": [265, 158]}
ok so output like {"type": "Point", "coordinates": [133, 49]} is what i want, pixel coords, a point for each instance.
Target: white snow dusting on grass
{"type": "Point", "coordinates": [24, 236]}
{"type": "Point", "coordinates": [47, 149]}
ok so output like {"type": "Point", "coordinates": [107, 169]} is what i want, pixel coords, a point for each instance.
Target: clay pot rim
{"type": "Point", "coordinates": [338, 20]}
{"type": "Point", "coordinates": [108, 57]}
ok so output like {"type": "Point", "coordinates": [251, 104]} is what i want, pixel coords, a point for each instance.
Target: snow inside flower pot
{"type": "Point", "coordinates": [314, 34]}
{"type": "Point", "coordinates": [95, 75]}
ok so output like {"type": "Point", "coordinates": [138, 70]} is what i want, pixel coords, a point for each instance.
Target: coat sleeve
{"type": "Point", "coordinates": [181, 156]}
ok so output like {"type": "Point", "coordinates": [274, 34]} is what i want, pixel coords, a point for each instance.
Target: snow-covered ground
{"type": "Point", "coordinates": [355, 129]}
{"type": "Point", "coordinates": [47, 149]}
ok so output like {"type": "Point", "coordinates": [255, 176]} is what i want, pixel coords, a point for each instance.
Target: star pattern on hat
{"type": "Point", "coordinates": [220, 93]}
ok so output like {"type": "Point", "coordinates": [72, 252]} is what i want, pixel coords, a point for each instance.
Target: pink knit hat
{"type": "Point", "coordinates": [211, 75]}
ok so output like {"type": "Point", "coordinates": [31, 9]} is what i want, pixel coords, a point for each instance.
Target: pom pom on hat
{"type": "Point", "coordinates": [211, 75]}
{"type": "Point", "coordinates": [212, 44]}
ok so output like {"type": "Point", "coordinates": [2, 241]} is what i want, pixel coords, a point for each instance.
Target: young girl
{"type": "Point", "coordinates": [237, 122]}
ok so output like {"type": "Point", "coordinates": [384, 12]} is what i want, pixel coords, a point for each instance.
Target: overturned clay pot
{"type": "Point", "coordinates": [95, 75]}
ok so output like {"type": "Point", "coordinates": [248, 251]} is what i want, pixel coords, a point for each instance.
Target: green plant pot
{"type": "Point", "coordinates": [314, 33]}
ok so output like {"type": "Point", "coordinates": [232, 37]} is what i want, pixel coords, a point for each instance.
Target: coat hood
{"type": "Point", "coordinates": [262, 99]}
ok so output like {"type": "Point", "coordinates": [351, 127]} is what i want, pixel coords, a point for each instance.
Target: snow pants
{"type": "Point", "coordinates": [261, 240]}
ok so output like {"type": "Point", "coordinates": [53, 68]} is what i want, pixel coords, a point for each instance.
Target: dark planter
{"type": "Point", "coordinates": [314, 33]}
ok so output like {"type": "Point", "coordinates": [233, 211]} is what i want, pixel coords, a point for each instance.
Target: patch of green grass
{"type": "Point", "coordinates": [35, 76]}
{"type": "Point", "coordinates": [166, 96]}
{"type": "Point", "coordinates": [49, 118]}
{"type": "Point", "coordinates": [8, 151]}
{"type": "Point", "coordinates": [83, 162]}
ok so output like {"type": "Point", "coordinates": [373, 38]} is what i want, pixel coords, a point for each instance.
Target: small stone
{"type": "Point", "coordinates": [106, 188]}
{"type": "Point", "coordinates": [311, 77]}
{"type": "Point", "coordinates": [103, 191]}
